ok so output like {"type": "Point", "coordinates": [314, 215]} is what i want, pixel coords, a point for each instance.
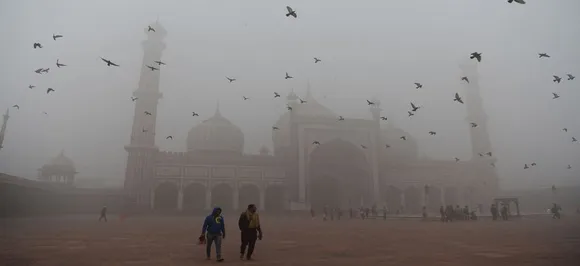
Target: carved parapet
{"type": "Point", "coordinates": [170, 157]}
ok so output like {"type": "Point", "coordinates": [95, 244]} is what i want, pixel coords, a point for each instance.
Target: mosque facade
{"type": "Point", "coordinates": [351, 166]}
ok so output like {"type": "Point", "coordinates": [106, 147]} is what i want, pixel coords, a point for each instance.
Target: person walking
{"type": "Point", "coordinates": [214, 229]}
{"type": "Point", "coordinates": [103, 214]}
{"type": "Point", "coordinates": [249, 224]}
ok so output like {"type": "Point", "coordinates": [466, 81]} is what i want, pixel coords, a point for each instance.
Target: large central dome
{"type": "Point", "coordinates": [216, 134]}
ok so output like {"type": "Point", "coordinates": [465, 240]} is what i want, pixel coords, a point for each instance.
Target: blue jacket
{"type": "Point", "coordinates": [214, 224]}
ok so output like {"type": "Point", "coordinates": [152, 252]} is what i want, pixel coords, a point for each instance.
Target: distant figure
{"type": "Point", "coordinates": [332, 214]}
{"type": "Point", "coordinates": [362, 213]}
{"type": "Point", "coordinates": [367, 212]}
{"type": "Point", "coordinates": [338, 213]}
{"type": "Point", "coordinates": [504, 212]}
{"type": "Point", "coordinates": [424, 212]}
{"type": "Point", "coordinates": [351, 213]}
{"type": "Point", "coordinates": [215, 230]}
{"type": "Point", "coordinates": [449, 213]}
{"type": "Point", "coordinates": [249, 224]}
{"type": "Point", "coordinates": [555, 211]}
{"type": "Point", "coordinates": [494, 212]}
{"type": "Point", "coordinates": [466, 213]}
{"type": "Point", "coordinates": [385, 212]}
{"type": "Point", "coordinates": [442, 213]}
{"type": "Point", "coordinates": [312, 214]}
{"type": "Point", "coordinates": [103, 214]}
{"type": "Point", "coordinates": [325, 214]}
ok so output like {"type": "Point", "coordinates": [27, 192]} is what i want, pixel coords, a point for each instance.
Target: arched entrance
{"type": "Point", "coordinates": [194, 198]}
{"type": "Point", "coordinates": [248, 194]}
{"type": "Point", "coordinates": [393, 199]}
{"type": "Point", "coordinates": [413, 202]}
{"type": "Point", "coordinates": [434, 199]}
{"type": "Point", "coordinates": [338, 176]}
{"type": "Point", "coordinates": [166, 197]}
{"type": "Point", "coordinates": [222, 196]}
{"type": "Point", "coordinates": [275, 199]}
{"type": "Point", "coordinates": [451, 196]}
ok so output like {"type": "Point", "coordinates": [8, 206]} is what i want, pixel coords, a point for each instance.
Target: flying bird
{"type": "Point", "coordinates": [39, 71]}
{"type": "Point", "coordinates": [574, 139]}
{"type": "Point", "coordinates": [492, 164]}
{"type": "Point", "coordinates": [556, 96]}
{"type": "Point", "coordinates": [291, 12]}
{"type": "Point", "coordinates": [557, 79]}
{"type": "Point", "coordinates": [315, 142]}
{"type": "Point", "coordinates": [37, 45]}
{"type": "Point", "coordinates": [144, 130]}
{"type": "Point", "coordinates": [473, 124]}
{"type": "Point", "coordinates": [288, 76]}
{"type": "Point", "coordinates": [231, 80]}
{"type": "Point", "coordinates": [150, 29]}
{"type": "Point", "coordinates": [457, 98]}
{"type": "Point", "coordinates": [403, 138]}
{"type": "Point", "coordinates": [56, 36]}
{"type": "Point", "coordinates": [16, 106]}
{"type": "Point", "coordinates": [245, 98]}
{"type": "Point", "coordinates": [152, 68]}
{"type": "Point", "coordinates": [159, 63]}
{"type": "Point", "coordinates": [540, 55]}
{"type": "Point", "coordinates": [570, 77]}
{"type": "Point", "coordinates": [480, 154]}
{"type": "Point", "coordinates": [316, 60]}
{"type": "Point", "coordinates": [533, 164]}
{"type": "Point", "coordinates": [410, 113]}
{"type": "Point", "coordinates": [465, 78]}
{"type": "Point", "coordinates": [275, 128]}
{"type": "Point", "coordinates": [289, 108]}
{"type": "Point", "coordinates": [415, 108]}
{"type": "Point", "coordinates": [169, 137]}
{"type": "Point", "coordinates": [276, 95]}
{"type": "Point", "coordinates": [476, 55]}
{"type": "Point", "coordinates": [370, 103]}
{"type": "Point", "coordinates": [517, 1]}
{"type": "Point", "coordinates": [49, 90]}
{"type": "Point", "coordinates": [565, 129]}
{"type": "Point", "coordinates": [363, 146]}
{"type": "Point", "coordinates": [59, 64]}
{"type": "Point", "coordinates": [194, 114]}
{"type": "Point", "coordinates": [147, 113]}
{"type": "Point", "coordinates": [302, 101]}
{"type": "Point", "coordinates": [432, 133]}
{"type": "Point", "coordinates": [456, 159]}
{"type": "Point", "coordinates": [418, 85]}
{"type": "Point", "coordinates": [109, 63]}
{"type": "Point", "coordinates": [387, 146]}
{"type": "Point", "coordinates": [134, 98]}
{"type": "Point", "coordinates": [488, 154]}
{"type": "Point", "coordinates": [31, 86]}
{"type": "Point", "coordinates": [526, 166]}
{"type": "Point", "coordinates": [384, 118]}
{"type": "Point", "coordinates": [340, 118]}
{"type": "Point", "coordinates": [569, 167]}
{"type": "Point", "coordinates": [45, 70]}
{"type": "Point", "coordinates": [45, 113]}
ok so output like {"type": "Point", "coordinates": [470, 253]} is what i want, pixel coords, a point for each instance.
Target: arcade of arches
{"type": "Point", "coordinates": [196, 197]}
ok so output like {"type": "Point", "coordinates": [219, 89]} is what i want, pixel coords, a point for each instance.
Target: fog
{"type": "Point", "coordinates": [371, 49]}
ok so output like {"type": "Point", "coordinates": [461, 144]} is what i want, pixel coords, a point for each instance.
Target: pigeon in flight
{"type": "Point", "coordinates": [480, 154]}
{"type": "Point", "coordinates": [473, 124]}
{"type": "Point", "coordinates": [410, 113]}
{"type": "Point", "coordinates": [457, 98]}
{"type": "Point", "coordinates": [488, 154]}
{"type": "Point", "coordinates": [45, 113]}
{"type": "Point", "coordinates": [37, 45]}
{"type": "Point", "coordinates": [340, 118]}
{"type": "Point", "coordinates": [540, 55]}
{"type": "Point", "coordinates": [194, 114]}
{"type": "Point", "coordinates": [231, 80]}
{"type": "Point", "coordinates": [403, 138]}
{"type": "Point", "coordinates": [134, 98]}
{"type": "Point", "coordinates": [316, 60]}
{"type": "Point", "coordinates": [159, 63]}
{"type": "Point", "coordinates": [56, 36]}
{"type": "Point", "coordinates": [432, 133]}
{"type": "Point", "coordinates": [533, 164]}
{"type": "Point", "coordinates": [291, 12]}
{"type": "Point", "coordinates": [16, 106]}
{"type": "Point", "coordinates": [570, 77]}
{"type": "Point", "coordinates": [574, 139]}
{"type": "Point", "coordinates": [58, 64]}
{"type": "Point", "coordinates": [275, 128]}
{"type": "Point", "coordinates": [288, 76]}
{"type": "Point", "coordinates": [565, 129]}
{"type": "Point", "coordinates": [109, 63]}
{"type": "Point", "coordinates": [169, 137]}
{"type": "Point", "coordinates": [557, 79]}
{"type": "Point", "coordinates": [49, 90]}
{"type": "Point", "coordinates": [526, 166]}
{"type": "Point", "coordinates": [315, 142]}
{"type": "Point", "coordinates": [517, 1]}
{"type": "Point", "coordinates": [276, 95]}
{"type": "Point", "coordinates": [418, 85]}
{"type": "Point", "coordinates": [45, 70]}
{"type": "Point", "coordinates": [569, 167]}
{"type": "Point", "coordinates": [147, 113]}
{"type": "Point", "coordinates": [415, 108]}
{"type": "Point", "coordinates": [31, 86]}
{"type": "Point", "coordinates": [39, 71]}
{"type": "Point", "coordinates": [492, 164]}
{"type": "Point", "coordinates": [556, 96]}
{"type": "Point", "coordinates": [384, 118]}
{"type": "Point", "coordinates": [370, 103]}
{"type": "Point", "coordinates": [476, 55]}
{"type": "Point", "coordinates": [387, 146]}
{"type": "Point", "coordinates": [302, 101]}
{"type": "Point", "coordinates": [363, 146]}
{"type": "Point", "coordinates": [456, 159]}
{"type": "Point", "coordinates": [144, 130]}
{"type": "Point", "coordinates": [150, 29]}
{"type": "Point", "coordinates": [245, 98]}
{"type": "Point", "coordinates": [289, 108]}
{"type": "Point", "coordinates": [152, 68]}
{"type": "Point", "coordinates": [465, 78]}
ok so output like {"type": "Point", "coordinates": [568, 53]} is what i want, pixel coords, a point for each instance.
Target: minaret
{"type": "Point", "coordinates": [142, 150]}
{"type": "Point", "coordinates": [3, 130]}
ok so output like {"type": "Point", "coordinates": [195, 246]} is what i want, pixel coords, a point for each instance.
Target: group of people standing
{"type": "Point", "coordinates": [448, 214]}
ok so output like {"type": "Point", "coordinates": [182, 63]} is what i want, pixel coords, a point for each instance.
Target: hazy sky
{"type": "Point", "coordinates": [369, 48]}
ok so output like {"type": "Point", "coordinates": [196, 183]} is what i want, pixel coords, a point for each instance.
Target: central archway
{"type": "Point", "coordinates": [222, 196]}
{"type": "Point", "coordinates": [275, 201]}
{"type": "Point", "coordinates": [249, 194]}
{"type": "Point", "coordinates": [166, 197]}
{"type": "Point", "coordinates": [338, 176]}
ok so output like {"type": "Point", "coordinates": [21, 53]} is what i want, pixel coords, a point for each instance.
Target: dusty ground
{"type": "Point", "coordinates": [82, 241]}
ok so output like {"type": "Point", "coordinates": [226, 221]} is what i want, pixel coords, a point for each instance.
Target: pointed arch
{"type": "Point", "coordinates": [166, 197]}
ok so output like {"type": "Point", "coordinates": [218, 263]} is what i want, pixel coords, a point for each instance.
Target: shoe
{"type": "Point", "coordinates": [208, 258]}
{"type": "Point", "coordinates": [241, 256]}
{"type": "Point", "coordinates": [248, 258]}
{"type": "Point", "coordinates": [220, 260]}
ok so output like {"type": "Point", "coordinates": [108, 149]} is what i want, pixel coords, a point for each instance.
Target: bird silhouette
{"type": "Point", "coordinates": [432, 133]}
{"type": "Point", "coordinates": [565, 129]}
{"type": "Point", "coordinates": [526, 166]}
{"type": "Point", "coordinates": [403, 138]}
{"type": "Point", "coordinates": [275, 128]}
{"type": "Point", "coordinates": [569, 167]}
{"type": "Point", "coordinates": [480, 154]}
{"type": "Point", "coordinates": [556, 96]}
{"type": "Point", "coordinates": [557, 79]}
{"type": "Point", "coordinates": [517, 1]}
{"type": "Point", "coordinates": [134, 99]}
{"type": "Point", "coordinates": [418, 85]}
{"type": "Point", "coordinates": [473, 124]}
{"type": "Point", "coordinates": [159, 63]}
{"type": "Point", "coordinates": [534, 164]}
{"type": "Point", "coordinates": [289, 108]}
{"type": "Point", "coordinates": [465, 78]}
{"type": "Point", "coordinates": [384, 118]}
{"type": "Point", "coordinates": [16, 106]}
{"type": "Point", "coordinates": [245, 98]}
{"type": "Point", "coordinates": [457, 98]}
{"type": "Point", "coordinates": [45, 113]}
{"type": "Point", "coordinates": [147, 113]}
{"type": "Point", "coordinates": [488, 153]}
{"type": "Point", "coordinates": [387, 146]}
{"type": "Point", "coordinates": [276, 95]}
{"type": "Point", "coordinates": [340, 118]}
{"type": "Point", "coordinates": [315, 142]}
{"type": "Point", "coordinates": [316, 60]}
{"type": "Point", "coordinates": [31, 86]}
{"type": "Point", "coordinates": [109, 63]}
{"type": "Point", "coordinates": [194, 114]}
{"type": "Point", "coordinates": [49, 90]}
{"type": "Point", "coordinates": [540, 55]}
{"type": "Point", "coordinates": [39, 71]}
{"type": "Point", "coordinates": [492, 164]}
{"type": "Point", "coordinates": [169, 137]}
{"type": "Point", "coordinates": [415, 108]}
{"type": "Point", "coordinates": [456, 159]}
{"type": "Point", "coordinates": [58, 64]}
{"type": "Point", "coordinates": [144, 130]}
{"type": "Point", "coordinates": [363, 146]}
{"type": "Point", "coordinates": [150, 29]}
{"type": "Point", "coordinates": [370, 103]}
{"type": "Point", "coordinates": [56, 36]}
{"type": "Point", "coordinates": [37, 45]}
{"type": "Point", "coordinates": [476, 55]}
{"type": "Point", "coordinates": [302, 101]}
{"type": "Point", "coordinates": [410, 113]}
{"type": "Point", "coordinates": [570, 77]}
{"type": "Point", "coordinates": [231, 80]}
{"type": "Point", "coordinates": [574, 139]}
{"type": "Point", "coordinates": [152, 68]}
{"type": "Point", "coordinates": [291, 12]}
{"type": "Point", "coordinates": [288, 76]}
{"type": "Point", "coordinates": [45, 70]}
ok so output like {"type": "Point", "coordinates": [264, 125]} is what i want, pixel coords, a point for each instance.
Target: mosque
{"type": "Point", "coordinates": [350, 166]}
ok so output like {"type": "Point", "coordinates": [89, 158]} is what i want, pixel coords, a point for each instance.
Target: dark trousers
{"type": "Point", "coordinates": [249, 237]}
{"type": "Point", "coordinates": [103, 216]}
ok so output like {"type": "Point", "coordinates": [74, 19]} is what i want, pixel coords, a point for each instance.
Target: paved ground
{"type": "Point", "coordinates": [82, 241]}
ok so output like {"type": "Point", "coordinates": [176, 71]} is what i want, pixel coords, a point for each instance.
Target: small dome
{"type": "Point", "coordinates": [216, 134]}
{"type": "Point", "coordinates": [61, 160]}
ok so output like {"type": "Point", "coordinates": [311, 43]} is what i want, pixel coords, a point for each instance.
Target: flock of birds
{"type": "Point", "coordinates": [156, 65]}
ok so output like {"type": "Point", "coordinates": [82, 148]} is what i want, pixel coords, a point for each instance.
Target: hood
{"type": "Point", "coordinates": [215, 210]}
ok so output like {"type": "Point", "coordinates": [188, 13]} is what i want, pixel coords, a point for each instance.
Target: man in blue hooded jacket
{"type": "Point", "coordinates": [215, 230]}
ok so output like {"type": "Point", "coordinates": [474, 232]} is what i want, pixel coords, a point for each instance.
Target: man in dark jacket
{"type": "Point", "coordinates": [249, 224]}
{"type": "Point", "coordinates": [215, 230]}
